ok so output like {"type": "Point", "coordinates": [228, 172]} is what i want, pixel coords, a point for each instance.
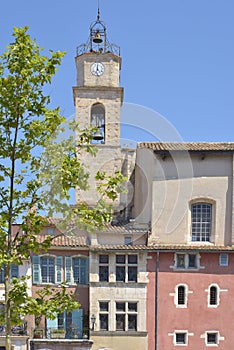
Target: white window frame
{"type": "Point", "coordinates": [219, 338]}
{"type": "Point", "coordinates": [186, 338]}
{"type": "Point", "coordinates": [175, 295]}
{"type": "Point", "coordinates": [179, 331]}
{"type": "Point", "coordinates": [223, 259]}
{"type": "Point", "coordinates": [219, 290]}
{"type": "Point", "coordinates": [202, 200]}
{"type": "Point", "coordinates": [202, 222]}
{"type": "Point", "coordinates": [217, 296]}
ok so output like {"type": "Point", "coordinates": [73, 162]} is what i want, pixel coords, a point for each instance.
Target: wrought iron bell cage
{"type": "Point", "coordinates": [98, 36]}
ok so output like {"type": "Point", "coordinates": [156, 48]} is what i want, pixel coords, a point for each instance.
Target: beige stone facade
{"type": "Point", "coordinates": [113, 292]}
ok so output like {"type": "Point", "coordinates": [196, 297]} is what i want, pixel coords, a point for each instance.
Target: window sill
{"type": "Point", "coordinates": [119, 333]}
{"type": "Point", "coordinates": [180, 269]}
{"type": "Point", "coordinates": [59, 285]}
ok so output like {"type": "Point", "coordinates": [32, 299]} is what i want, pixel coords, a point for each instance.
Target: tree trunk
{"type": "Point", "coordinates": [7, 308]}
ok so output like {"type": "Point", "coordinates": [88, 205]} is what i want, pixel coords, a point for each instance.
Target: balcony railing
{"type": "Point", "coordinates": [15, 330]}
{"type": "Point", "coordinates": [61, 333]}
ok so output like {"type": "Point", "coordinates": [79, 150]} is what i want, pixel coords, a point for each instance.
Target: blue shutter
{"type": "Point", "coordinates": [51, 324]}
{"type": "Point", "coordinates": [68, 270]}
{"type": "Point", "coordinates": [58, 269]}
{"type": "Point", "coordinates": [77, 320]}
{"type": "Point", "coordinates": [36, 269]}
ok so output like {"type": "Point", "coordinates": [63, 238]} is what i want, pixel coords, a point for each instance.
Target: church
{"type": "Point", "coordinates": [159, 276]}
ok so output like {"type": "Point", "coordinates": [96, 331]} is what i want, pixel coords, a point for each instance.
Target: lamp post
{"type": "Point", "coordinates": [93, 320]}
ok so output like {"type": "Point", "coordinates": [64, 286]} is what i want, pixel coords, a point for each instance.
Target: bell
{"type": "Point", "coordinates": [97, 39]}
{"type": "Point", "coordinates": [97, 136]}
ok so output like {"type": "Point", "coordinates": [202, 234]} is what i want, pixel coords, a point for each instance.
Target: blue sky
{"type": "Point", "coordinates": [178, 55]}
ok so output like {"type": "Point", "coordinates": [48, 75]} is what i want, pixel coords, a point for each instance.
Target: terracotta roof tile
{"type": "Point", "coordinates": [67, 241]}
{"type": "Point", "coordinates": [118, 247]}
{"type": "Point", "coordinates": [163, 248]}
{"type": "Point", "coordinates": [185, 247]}
{"type": "Point", "coordinates": [127, 228]}
{"type": "Point", "coordinates": [187, 146]}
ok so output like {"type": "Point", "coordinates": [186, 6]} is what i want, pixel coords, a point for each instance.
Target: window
{"type": "Point", "coordinates": [126, 316]}
{"type": "Point", "coordinates": [103, 315]}
{"type": "Point", "coordinates": [47, 269]}
{"type": "Point", "coordinates": [181, 295]}
{"type": "Point", "coordinates": [223, 259]}
{"type": "Point", "coordinates": [186, 261]}
{"type": "Point", "coordinates": [98, 121]}
{"type": "Point", "coordinates": [50, 231]}
{"type": "Point", "coordinates": [201, 222]}
{"type": "Point", "coordinates": [50, 269]}
{"type": "Point", "coordinates": [212, 337]}
{"type": "Point", "coordinates": [79, 270]}
{"type": "Point", "coordinates": [126, 268]}
{"type": "Point", "coordinates": [103, 268]}
{"type": "Point", "coordinates": [14, 271]}
{"type": "Point", "coordinates": [76, 270]}
{"type": "Point", "coordinates": [128, 240]}
{"type": "Point", "coordinates": [213, 296]}
{"type": "Point", "coordinates": [180, 338]}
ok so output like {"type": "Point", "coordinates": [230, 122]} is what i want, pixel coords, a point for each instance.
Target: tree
{"type": "Point", "coordinates": [30, 174]}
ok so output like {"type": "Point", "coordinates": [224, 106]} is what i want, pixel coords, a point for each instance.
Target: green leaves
{"type": "Point", "coordinates": [38, 168]}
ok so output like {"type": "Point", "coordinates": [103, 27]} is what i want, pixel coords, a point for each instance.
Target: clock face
{"type": "Point", "coordinates": [97, 68]}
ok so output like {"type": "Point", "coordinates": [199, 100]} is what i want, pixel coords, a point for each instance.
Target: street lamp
{"type": "Point", "coordinates": [93, 320]}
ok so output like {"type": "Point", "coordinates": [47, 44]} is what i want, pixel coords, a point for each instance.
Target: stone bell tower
{"type": "Point", "coordinates": [98, 99]}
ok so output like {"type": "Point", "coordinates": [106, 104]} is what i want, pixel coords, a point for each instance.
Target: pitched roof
{"type": "Point", "coordinates": [66, 241]}
{"type": "Point", "coordinates": [188, 146]}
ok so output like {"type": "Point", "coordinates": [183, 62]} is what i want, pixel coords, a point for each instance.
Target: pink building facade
{"type": "Point", "coordinates": [191, 308]}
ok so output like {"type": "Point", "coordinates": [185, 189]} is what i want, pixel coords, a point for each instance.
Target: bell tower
{"type": "Point", "coordinates": [98, 99]}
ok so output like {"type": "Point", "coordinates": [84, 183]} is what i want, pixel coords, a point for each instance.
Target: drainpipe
{"type": "Point", "coordinates": [156, 301]}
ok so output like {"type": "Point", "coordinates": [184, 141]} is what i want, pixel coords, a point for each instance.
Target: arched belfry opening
{"type": "Point", "coordinates": [98, 121]}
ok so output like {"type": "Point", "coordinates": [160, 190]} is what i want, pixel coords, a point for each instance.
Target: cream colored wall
{"type": "Point", "coordinates": [116, 342]}
{"type": "Point", "coordinates": [171, 208]}
{"type": "Point", "coordinates": [26, 270]}
{"type": "Point", "coordinates": [17, 342]}
{"type": "Point", "coordinates": [118, 238]}
{"type": "Point", "coordinates": [94, 269]}
{"type": "Point", "coordinates": [166, 186]}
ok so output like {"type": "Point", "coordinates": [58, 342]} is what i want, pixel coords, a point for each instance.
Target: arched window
{"type": "Point", "coordinates": [98, 121]}
{"type": "Point", "coordinates": [213, 295]}
{"type": "Point", "coordinates": [181, 295]}
{"type": "Point", "coordinates": [201, 216]}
